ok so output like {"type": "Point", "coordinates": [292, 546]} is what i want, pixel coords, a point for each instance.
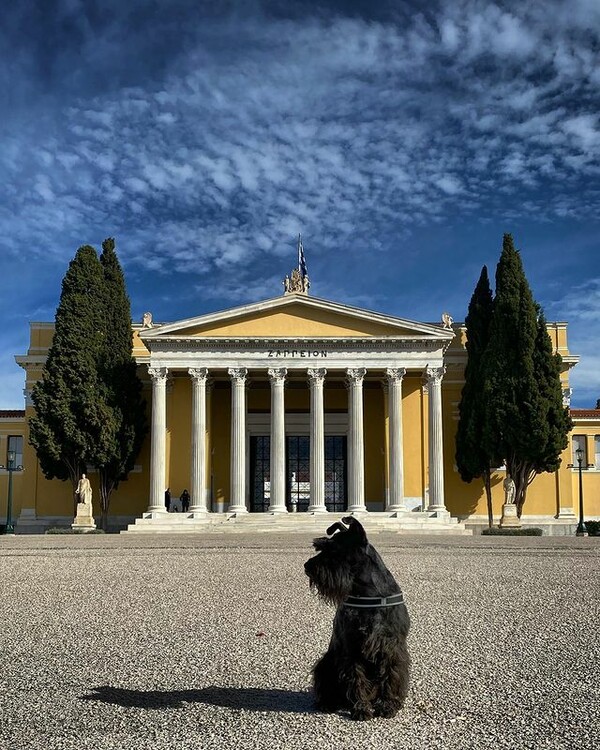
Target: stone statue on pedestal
{"type": "Point", "coordinates": [84, 519]}
{"type": "Point", "coordinates": [84, 490]}
{"type": "Point", "coordinates": [509, 509]}
{"type": "Point", "coordinates": [509, 490]}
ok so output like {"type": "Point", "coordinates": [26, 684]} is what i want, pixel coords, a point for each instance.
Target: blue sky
{"type": "Point", "coordinates": [401, 142]}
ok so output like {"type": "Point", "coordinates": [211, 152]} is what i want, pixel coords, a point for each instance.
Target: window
{"type": "Point", "coordinates": [579, 442]}
{"type": "Point", "coordinates": [597, 451]}
{"type": "Point", "coordinates": [15, 443]}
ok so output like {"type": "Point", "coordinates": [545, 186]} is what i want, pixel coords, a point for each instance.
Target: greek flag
{"type": "Point", "coordinates": [301, 259]}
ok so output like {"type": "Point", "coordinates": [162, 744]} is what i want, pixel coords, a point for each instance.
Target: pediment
{"type": "Point", "coordinates": [296, 316]}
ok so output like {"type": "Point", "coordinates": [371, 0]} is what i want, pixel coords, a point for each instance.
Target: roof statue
{"type": "Point", "coordinates": [447, 320]}
{"type": "Point", "coordinates": [298, 282]}
{"type": "Point", "coordinates": [147, 320]}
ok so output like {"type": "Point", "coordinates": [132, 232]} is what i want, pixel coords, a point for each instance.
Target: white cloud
{"type": "Point", "coordinates": [585, 129]}
{"type": "Point", "coordinates": [449, 184]}
{"type": "Point", "coordinates": [350, 131]}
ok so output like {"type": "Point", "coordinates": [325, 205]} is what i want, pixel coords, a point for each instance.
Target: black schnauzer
{"type": "Point", "coordinates": [366, 668]}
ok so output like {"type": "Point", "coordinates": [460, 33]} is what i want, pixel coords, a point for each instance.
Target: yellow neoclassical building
{"type": "Point", "coordinates": [297, 405]}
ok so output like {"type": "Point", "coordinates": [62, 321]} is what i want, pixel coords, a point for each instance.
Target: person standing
{"type": "Point", "coordinates": [185, 501]}
{"type": "Point", "coordinates": [167, 499]}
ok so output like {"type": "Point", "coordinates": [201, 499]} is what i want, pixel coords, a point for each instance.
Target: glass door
{"type": "Point", "coordinates": [298, 472]}
{"type": "Point", "coordinates": [336, 495]}
{"type": "Point", "coordinates": [260, 473]}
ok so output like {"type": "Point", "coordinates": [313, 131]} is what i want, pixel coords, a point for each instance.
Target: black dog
{"type": "Point", "coordinates": [366, 668]}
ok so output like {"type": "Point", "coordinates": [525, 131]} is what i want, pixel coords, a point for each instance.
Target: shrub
{"type": "Point", "coordinates": [593, 528]}
{"type": "Point", "coordinates": [496, 531]}
{"type": "Point", "coordinates": [66, 530]}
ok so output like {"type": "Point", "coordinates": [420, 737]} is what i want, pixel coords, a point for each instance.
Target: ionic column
{"type": "Point", "coordinates": [158, 440]}
{"type": "Point", "coordinates": [237, 502]}
{"type": "Point", "coordinates": [277, 469]}
{"type": "Point", "coordinates": [436, 448]}
{"type": "Point", "coordinates": [316, 379]}
{"type": "Point", "coordinates": [395, 500]}
{"type": "Point", "coordinates": [356, 446]}
{"type": "Point", "coordinates": [198, 476]}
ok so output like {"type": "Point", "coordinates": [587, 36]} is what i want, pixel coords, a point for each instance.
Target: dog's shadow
{"type": "Point", "coordinates": [249, 699]}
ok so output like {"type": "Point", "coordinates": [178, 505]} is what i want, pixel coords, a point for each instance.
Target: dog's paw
{"type": "Point", "coordinates": [326, 707]}
{"type": "Point", "coordinates": [362, 713]}
{"type": "Point", "coordinates": [387, 709]}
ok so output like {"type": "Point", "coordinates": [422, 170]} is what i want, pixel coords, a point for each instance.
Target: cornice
{"type": "Point", "coordinates": [30, 361]}
{"type": "Point", "coordinates": [388, 343]}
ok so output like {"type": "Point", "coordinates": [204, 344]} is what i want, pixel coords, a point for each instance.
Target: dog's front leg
{"type": "Point", "coordinates": [360, 693]}
{"type": "Point", "coordinates": [329, 695]}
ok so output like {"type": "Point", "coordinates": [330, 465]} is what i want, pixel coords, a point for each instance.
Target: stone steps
{"type": "Point", "coordinates": [317, 523]}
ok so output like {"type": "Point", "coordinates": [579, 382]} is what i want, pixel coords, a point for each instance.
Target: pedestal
{"type": "Point", "coordinates": [509, 516]}
{"type": "Point", "coordinates": [83, 521]}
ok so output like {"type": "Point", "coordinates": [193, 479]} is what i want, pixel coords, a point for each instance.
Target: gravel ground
{"type": "Point", "coordinates": [188, 642]}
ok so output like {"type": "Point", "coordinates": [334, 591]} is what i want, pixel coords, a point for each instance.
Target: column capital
{"type": "Point", "coordinates": [434, 375]}
{"type": "Point", "coordinates": [158, 374]}
{"type": "Point", "coordinates": [355, 375]}
{"type": "Point", "coordinates": [394, 375]}
{"type": "Point", "coordinates": [238, 374]}
{"type": "Point", "coordinates": [277, 374]}
{"type": "Point", "coordinates": [198, 373]}
{"type": "Point", "coordinates": [316, 376]}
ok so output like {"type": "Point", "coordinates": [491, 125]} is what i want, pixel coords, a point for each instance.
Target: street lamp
{"type": "Point", "coordinates": [11, 456]}
{"type": "Point", "coordinates": [581, 531]}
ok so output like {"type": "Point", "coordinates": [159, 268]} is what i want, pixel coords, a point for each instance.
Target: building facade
{"type": "Point", "coordinates": [297, 404]}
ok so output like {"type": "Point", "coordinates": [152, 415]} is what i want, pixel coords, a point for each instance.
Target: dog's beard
{"type": "Point", "coordinates": [331, 585]}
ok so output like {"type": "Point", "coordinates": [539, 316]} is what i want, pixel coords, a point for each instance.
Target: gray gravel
{"type": "Point", "coordinates": [188, 642]}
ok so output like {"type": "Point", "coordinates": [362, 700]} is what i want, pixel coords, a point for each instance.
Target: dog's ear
{"type": "Point", "coordinates": [356, 531]}
{"type": "Point", "coordinates": [337, 526]}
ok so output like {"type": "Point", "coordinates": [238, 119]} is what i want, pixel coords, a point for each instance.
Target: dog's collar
{"type": "Point", "coordinates": [374, 601]}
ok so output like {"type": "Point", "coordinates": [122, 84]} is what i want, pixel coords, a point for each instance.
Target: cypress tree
{"type": "Point", "coordinates": [68, 421]}
{"type": "Point", "coordinates": [547, 366]}
{"type": "Point", "coordinates": [121, 388]}
{"type": "Point", "coordinates": [472, 459]}
{"type": "Point", "coordinates": [518, 396]}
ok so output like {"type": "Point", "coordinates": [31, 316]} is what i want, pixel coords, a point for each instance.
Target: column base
{"type": "Point", "coordinates": [439, 511]}
{"type": "Point", "coordinates": [352, 509]}
{"type": "Point", "coordinates": [28, 523]}
{"type": "Point", "coordinates": [155, 513]}
{"type": "Point", "coordinates": [316, 509]}
{"type": "Point", "coordinates": [200, 513]}
{"type": "Point", "coordinates": [395, 509]}
{"type": "Point", "coordinates": [566, 513]}
{"type": "Point", "coordinates": [27, 514]}
{"type": "Point", "coordinates": [277, 509]}
{"type": "Point", "coordinates": [239, 510]}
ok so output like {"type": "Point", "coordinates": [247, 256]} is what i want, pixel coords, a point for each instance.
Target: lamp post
{"type": "Point", "coordinates": [580, 526]}
{"type": "Point", "coordinates": [11, 455]}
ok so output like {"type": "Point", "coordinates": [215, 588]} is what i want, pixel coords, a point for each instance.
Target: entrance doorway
{"type": "Point", "coordinates": [298, 473]}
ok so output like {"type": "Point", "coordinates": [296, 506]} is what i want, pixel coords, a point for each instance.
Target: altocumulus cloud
{"type": "Point", "coordinates": [206, 139]}
{"type": "Point", "coordinates": [336, 125]}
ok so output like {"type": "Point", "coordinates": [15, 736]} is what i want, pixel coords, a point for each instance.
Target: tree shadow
{"type": "Point", "coordinates": [249, 699]}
